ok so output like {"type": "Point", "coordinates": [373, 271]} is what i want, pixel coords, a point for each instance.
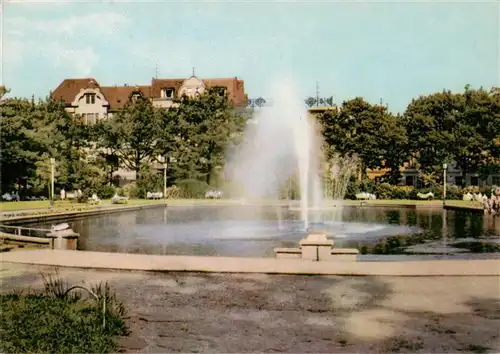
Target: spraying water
{"type": "Point", "coordinates": [282, 143]}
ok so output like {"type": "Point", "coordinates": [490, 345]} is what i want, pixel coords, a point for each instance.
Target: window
{"type": "Point", "coordinates": [474, 181]}
{"type": "Point", "coordinates": [167, 93]}
{"type": "Point", "coordinates": [409, 180]}
{"type": "Point", "coordinates": [90, 98]}
{"type": "Point", "coordinates": [90, 118]}
{"type": "Point", "coordinates": [135, 96]}
{"type": "Point", "coordinates": [458, 180]}
{"type": "Point", "coordinates": [221, 91]}
{"type": "Point", "coordinates": [495, 180]}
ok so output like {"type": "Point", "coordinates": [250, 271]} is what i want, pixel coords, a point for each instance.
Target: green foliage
{"type": "Point", "coordinates": [461, 127]}
{"type": "Point", "coordinates": [83, 198]}
{"type": "Point", "coordinates": [199, 132]}
{"type": "Point", "coordinates": [192, 188]}
{"type": "Point", "coordinates": [388, 191]}
{"type": "Point", "coordinates": [105, 191]}
{"type": "Point", "coordinates": [195, 134]}
{"type": "Point", "coordinates": [368, 131]}
{"type": "Point", "coordinates": [132, 135]}
{"type": "Point", "coordinates": [3, 91]}
{"type": "Point", "coordinates": [57, 322]}
{"type": "Point", "coordinates": [130, 190]}
{"type": "Point", "coordinates": [479, 247]}
{"type": "Point", "coordinates": [357, 186]}
{"type": "Point", "coordinates": [150, 180]}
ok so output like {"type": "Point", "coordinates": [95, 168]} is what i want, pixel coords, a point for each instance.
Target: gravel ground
{"type": "Point", "coordinates": [198, 312]}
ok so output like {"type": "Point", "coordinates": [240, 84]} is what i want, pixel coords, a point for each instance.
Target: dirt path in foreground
{"type": "Point", "coordinates": [193, 312]}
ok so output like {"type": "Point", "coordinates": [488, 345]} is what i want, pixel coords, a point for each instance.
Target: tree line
{"type": "Point", "coordinates": [460, 129]}
{"type": "Point", "coordinates": [442, 127]}
{"type": "Point", "coordinates": [195, 134]}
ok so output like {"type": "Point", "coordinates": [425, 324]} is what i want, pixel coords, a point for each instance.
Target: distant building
{"type": "Point", "coordinates": [410, 176]}
{"type": "Point", "coordinates": [94, 102]}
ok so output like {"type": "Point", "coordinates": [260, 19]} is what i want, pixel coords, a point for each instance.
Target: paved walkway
{"type": "Point", "coordinates": [124, 261]}
{"type": "Point", "coordinates": [243, 313]}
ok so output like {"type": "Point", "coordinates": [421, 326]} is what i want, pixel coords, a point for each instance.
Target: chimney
{"type": "Point", "coordinates": [125, 84]}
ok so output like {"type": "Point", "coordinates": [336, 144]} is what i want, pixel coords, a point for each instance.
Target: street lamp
{"type": "Point", "coordinates": [445, 166]}
{"type": "Point", "coordinates": [52, 163]}
{"type": "Point", "coordinates": [164, 160]}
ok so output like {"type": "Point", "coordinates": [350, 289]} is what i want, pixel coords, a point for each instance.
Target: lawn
{"type": "Point", "coordinates": [65, 205]}
{"type": "Point", "coordinates": [61, 206]}
{"type": "Point", "coordinates": [434, 202]}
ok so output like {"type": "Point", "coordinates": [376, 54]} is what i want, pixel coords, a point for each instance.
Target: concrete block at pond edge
{"type": "Point", "coordinates": [344, 254]}
{"type": "Point", "coordinates": [310, 252]}
{"type": "Point", "coordinates": [324, 253]}
{"type": "Point", "coordinates": [288, 253]}
{"type": "Point", "coordinates": [317, 247]}
{"type": "Point", "coordinates": [316, 240]}
{"type": "Point", "coordinates": [64, 239]}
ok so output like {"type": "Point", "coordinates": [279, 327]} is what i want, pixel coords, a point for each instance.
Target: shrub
{"type": "Point", "coordinates": [83, 198]}
{"type": "Point", "coordinates": [119, 191]}
{"type": "Point", "coordinates": [130, 190]}
{"type": "Point", "coordinates": [471, 190]}
{"type": "Point", "coordinates": [150, 180]}
{"type": "Point", "coordinates": [453, 192]}
{"type": "Point", "coordinates": [192, 188]}
{"type": "Point", "coordinates": [351, 190]}
{"type": "Point", "coordinates": [383, 191]}
{"type": "Point", "coordinates": [105, 191]}
{"type": "Point", "coordinates": [53, 322]}
{"type": "Point", "coordinates": [486, 190]}
{"type": "Point", "coordinates": [357, 186]}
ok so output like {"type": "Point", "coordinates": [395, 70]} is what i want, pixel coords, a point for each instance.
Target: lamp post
{"type": "Point", "coordinates": [164, 159]}
{"type": "Point", "coordinates": [52, 163]}
{"type": "Point", "coordinates": [445, 166]}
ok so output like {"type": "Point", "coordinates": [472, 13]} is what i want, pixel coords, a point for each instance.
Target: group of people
{"type": "Point", "coordinates": [492, 205]}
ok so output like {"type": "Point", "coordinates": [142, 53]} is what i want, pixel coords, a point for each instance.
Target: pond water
{"type": "Point", "coordinates": [250, 231]}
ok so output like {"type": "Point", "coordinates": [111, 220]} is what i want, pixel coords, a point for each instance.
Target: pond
{"type": "Point", "coordinates": [249, 231]}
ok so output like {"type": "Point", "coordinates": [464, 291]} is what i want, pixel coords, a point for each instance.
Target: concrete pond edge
{"type": "Point", "coordinates": [207, 264]}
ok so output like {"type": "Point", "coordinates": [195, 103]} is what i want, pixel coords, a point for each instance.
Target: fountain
{"type": "Point", "coordinates": [284, 142]}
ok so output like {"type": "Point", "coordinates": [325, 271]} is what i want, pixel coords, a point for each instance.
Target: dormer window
{"type": "Point", "coordinates": [90, 98]}
{"type": "Point", "coordinates": [167, 93]}
{"type": "Point", "coordinates": [221, 91]}
{"type": "Point", "coordinates": [135, 96]}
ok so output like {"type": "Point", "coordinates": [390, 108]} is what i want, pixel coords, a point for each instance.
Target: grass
{"type": "Point", "coordinates": [63, 206]}
{"type": "Point", "coordinates": [54, 322]}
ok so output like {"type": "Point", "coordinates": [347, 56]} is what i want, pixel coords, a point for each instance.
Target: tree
{"type": "Point", "coordinates": [396, 147]}
{"type": "Point", "coordinates": [372, 133]}
{"type": "Point", "coordinates": [453, 128]}
{"type": "Point", "coordinates": [3, 91]}
{"type": "Point", "coordinates": [201, 131]}
{"type": "Point", "coordinates": [16, 144]}
{"type": "Point", "coordinates": [106, 140]}
{"type": "Point", "coordinates": [133, 134]}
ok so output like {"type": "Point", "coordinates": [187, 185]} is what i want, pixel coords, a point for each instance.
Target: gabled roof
{"type": "Point", "coordinates": [118, 96]}
{"type": "Point", "coordinates": [69, 88]}
{"type": "Point", "coordinates": [158, 84]}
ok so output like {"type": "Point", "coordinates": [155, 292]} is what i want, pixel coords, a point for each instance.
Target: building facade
{"type": "Point", "coordinates": [93, 102]}
{"type": "Point", "coordinates": [87, 98]}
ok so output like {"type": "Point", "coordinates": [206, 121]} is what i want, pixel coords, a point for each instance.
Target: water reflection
{"type": "Point", "coordinates": [252, 231]}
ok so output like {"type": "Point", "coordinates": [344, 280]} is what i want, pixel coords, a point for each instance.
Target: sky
{"type": "Point", "coordinates": [391, 50]}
